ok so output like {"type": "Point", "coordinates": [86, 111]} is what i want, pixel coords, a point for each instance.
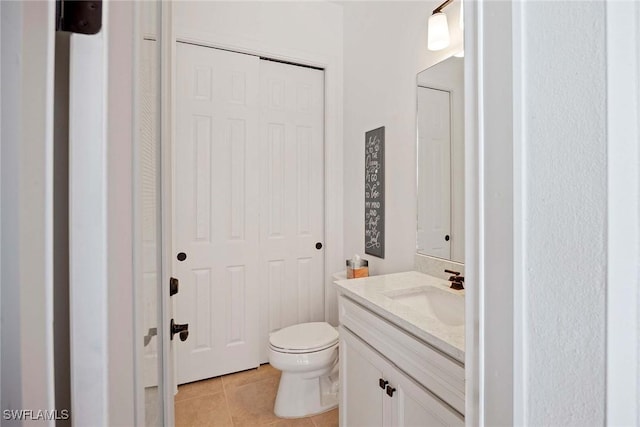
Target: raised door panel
{"type": "Point", "coordinates": [361, 399]}
{"type": "Point", "coordinates": [414, 406]}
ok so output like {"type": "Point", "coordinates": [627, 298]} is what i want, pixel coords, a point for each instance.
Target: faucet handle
{"type": "Point", "coordinates": [456, 280]}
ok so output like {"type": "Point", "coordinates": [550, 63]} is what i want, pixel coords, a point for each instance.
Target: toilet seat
{"type": "Point", "coordinates": [304, 338]}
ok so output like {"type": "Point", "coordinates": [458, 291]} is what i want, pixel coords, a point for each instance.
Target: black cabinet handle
{"type": "Point", "coordinates": [382, 383]}
{"type": "Point", "coordinates": [390, 391]}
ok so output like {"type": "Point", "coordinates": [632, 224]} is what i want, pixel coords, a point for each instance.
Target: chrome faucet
{"type": "Point", "coordinates": [457, 281]}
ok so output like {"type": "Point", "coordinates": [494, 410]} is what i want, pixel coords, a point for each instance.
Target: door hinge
{"type": "Point", "coordinates": [79, 16]}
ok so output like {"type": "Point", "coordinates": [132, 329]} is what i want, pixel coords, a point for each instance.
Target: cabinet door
{"type": "Point", "coordinates": [361, 398]}
{"type": "Point", "coordinates": [414, 406]}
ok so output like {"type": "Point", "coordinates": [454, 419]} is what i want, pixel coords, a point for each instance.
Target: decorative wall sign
{"type": "Point", "coordinates": [374, 192]}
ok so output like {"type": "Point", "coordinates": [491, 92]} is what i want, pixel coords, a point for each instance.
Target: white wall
{"type": "Point", "coordinates": [101, 220]}
{"type": "Point", "coordinates": [385, 46]}
{"type": "Point", "coordinates": [120, 133]}
{"type": "Point", "coordinates": [542, 164]}
{"type": "Point", "coordinates": [297, 29]}
{"type": "Point", "coordinates": [11, 15]}
{"type": "Point", "coordinates": [27, 208]}
{"type": "Point", "coordinates": [308, 33]}
{"type": "Point", "coordinates": [494, 271]}
{"type": "Point", "coordinates": [623, 233]}
{"type": "Point", "coordinates": [565, 210]}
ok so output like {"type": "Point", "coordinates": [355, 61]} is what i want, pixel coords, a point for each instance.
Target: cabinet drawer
{"type": "Point", "coordinates": [439, 373]}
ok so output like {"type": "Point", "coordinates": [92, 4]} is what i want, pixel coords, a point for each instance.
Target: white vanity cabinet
{"type": "Point", "coordinates": [390, 378]}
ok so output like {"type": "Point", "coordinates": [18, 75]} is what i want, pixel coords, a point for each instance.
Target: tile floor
{"type": "Point", "coordinates": [240, 399]}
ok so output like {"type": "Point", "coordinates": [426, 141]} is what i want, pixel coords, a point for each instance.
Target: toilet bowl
{"type": "Point", "coordinates": [307, 355]}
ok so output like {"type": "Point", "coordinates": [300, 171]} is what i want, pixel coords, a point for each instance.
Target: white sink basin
{"type": "Point", "coordinates": [447, 307]}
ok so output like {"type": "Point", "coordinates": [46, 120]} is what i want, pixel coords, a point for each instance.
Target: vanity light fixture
{"type": "Point", "coordinates": [438, 28]}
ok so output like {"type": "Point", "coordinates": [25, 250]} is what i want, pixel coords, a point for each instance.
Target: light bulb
{"type": "Point", "coordinates": [438, 32]}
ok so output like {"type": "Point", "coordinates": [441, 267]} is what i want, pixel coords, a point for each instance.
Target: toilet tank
{"type": "Point", "coordinates": [331, 298]}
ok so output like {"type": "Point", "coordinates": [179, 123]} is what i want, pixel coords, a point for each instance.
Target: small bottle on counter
{"type": "Point", "coordinates": [357, 267]}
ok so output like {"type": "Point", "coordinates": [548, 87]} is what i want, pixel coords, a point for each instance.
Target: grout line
{"type": "Point", "coordinates": [191, 398]}
{"type": "Point", "coordinates": [226, 401]}
{"type": "Point", "coordinates": [195, 396]}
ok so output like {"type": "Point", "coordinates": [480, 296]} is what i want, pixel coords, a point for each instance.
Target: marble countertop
{"type": "Point", "coordinates": [370, 292]}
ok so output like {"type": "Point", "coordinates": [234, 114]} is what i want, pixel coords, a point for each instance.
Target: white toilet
{"type": "Point", "coordinates": [307, 355]}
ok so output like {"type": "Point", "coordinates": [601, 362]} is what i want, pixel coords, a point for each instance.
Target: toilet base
{"type": "Point", "coordinates": [302, 397]}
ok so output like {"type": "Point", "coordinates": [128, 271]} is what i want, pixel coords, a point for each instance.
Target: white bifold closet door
{"type": "Point", "coordinates": [434, 181]}
{"type": "Point", "coordinates": [248, 205]}
{"type": "Point", "coordinates": [291, 197]}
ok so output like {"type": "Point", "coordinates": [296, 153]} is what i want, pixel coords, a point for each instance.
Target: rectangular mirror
{"type": "Point", "coordinates": [440, 154]}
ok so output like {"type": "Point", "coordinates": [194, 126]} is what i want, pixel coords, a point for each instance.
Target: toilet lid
{"type": "Point", "coordinates": [305, 336]}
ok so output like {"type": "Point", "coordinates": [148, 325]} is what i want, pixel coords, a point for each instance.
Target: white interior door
{"type": "Point", "coordinates": [434, 146]}
{"type": "Point", "coordinates": [149, 207]}
{"type": "Point", "coordinates": [216, 210]}
{"type": "Point", "coordinates": [154, 381]}
{"type": "Point", "coordinates": [291, 196]}
{"type": "Point", "coordinates": [148, 235]}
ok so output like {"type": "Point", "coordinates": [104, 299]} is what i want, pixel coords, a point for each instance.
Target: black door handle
{"type": "Point", "coordinates": [318, 245]}
{"type": "Point", "coordinates": [183, 330]}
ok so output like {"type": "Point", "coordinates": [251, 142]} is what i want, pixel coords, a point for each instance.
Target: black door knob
{"type": "Point", "coordinates": [183, 330]}
{"type": "Point", "coordinates": [181, 256]}
{"type": "Point", "coordinates": [318, 245]}
{"type": "Point", "coordinates": [446, 237]}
